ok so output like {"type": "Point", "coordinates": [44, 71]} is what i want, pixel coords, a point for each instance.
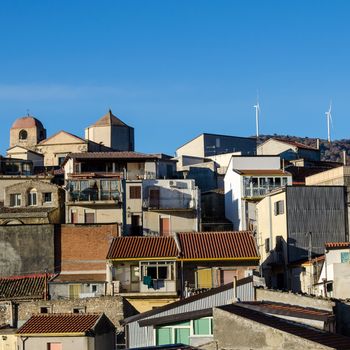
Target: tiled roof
{"type": "Point", "coordinates": [109, 119]}
{"type": "Point", "coordinates": [263, 172]}
{"type": "Point", "coordinates": [81, 278]}
{"type": "Point", "coordinates": [337, 245]}
{"type": "Point", "coordinates": [59, 324]}
{"type": "Point", "coordinates": [334, 341]}
{"type": "Point", "coordinates": [26, 122]}
{"type": "Point", "coordinates": [142, 247]}
{"type": "Point", "coordinates": [28, 209]}
{"type": "Point", "coordinates": [218, 245]}
{"type": "Point", "coordinates": [23, 287]}
{"type": "Point", "coordinates": [194, 246]}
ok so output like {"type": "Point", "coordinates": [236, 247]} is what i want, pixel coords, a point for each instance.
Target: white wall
{"type": "Point", "coordinates": [255, 163]}
{"type": "Point", "coordinates": [233, 194]}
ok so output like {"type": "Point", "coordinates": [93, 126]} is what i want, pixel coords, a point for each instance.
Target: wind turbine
{"type": "Point", "coordinates": [329, 121]}
{"type": "Point", "coordinates": [257, 112]}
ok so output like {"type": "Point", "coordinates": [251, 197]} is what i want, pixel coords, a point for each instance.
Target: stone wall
{"type": "Point", "coordinates": [26, 249]}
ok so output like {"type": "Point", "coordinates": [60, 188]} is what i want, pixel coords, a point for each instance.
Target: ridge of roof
{"type": "Point", "coordinates": [109, 119]}
{"type": "Point", "coordinates": [60, 132]}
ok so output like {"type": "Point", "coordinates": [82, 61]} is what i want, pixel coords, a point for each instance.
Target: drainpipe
{"type": "Point", "coordinates": [344, 158]}
{"type": "Point", "coordinates": [24, 339]}
{"type": "Point", "coordinates": [318, 143]}
{"type": "Point", "coordinates": [235, 288]}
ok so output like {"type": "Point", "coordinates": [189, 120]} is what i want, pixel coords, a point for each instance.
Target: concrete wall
{"type": "Point", "coordinates": [255, 163]}
{"type": "Point", "coordinates": [26, 249]}
{"type": "Point", "coordinates": [233, 195]}
{"type": "Point", "coordinates": [230, 331]}
{"type": "Point", "coordinates": [68, 343]}
{"type": "Point", "coordinates": [193, 148]}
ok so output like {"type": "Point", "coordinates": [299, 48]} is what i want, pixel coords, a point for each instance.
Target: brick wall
{"type": "Point", "coordinates": [83, 247]}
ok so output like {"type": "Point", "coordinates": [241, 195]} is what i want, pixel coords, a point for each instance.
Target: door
{"type": "Point", "coordinates": [227, 276]}
{"type": "Point", "coordinates": [74, 291]}
{"type": "Point", "coordinates": [54, 346]}
{"type": "Point", "coordinates": [154, 198]}
{"type": "Point", "coordinates": [135, 278]}
{"type": "Point", "coordinates": [89, 218]}
{"type": "Point", "coordinates": [164, 228]}
{"type": "Point", "coordinates": [74, 217]}
{"type": "Point", "coordinates": [136, 228]}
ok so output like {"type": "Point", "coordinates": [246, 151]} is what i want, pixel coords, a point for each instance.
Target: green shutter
{"type": "Point", "coordinates": [344, 257]}
{"type": "Point", "coordinates": [201, 326]}
{"type": "Point", "coordinates": [164, 336]}
{"type": "Point", "coordinates": [182, 336]}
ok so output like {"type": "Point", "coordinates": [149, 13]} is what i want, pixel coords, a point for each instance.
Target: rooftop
{"type": "Point", "coordinates": [257, 172]}
{"type": "Point", "coordinates": [26, 122]}
{"type": "Point", "coordinates": [59, 324]}
{"type": "Point", "coordinates": [23, 287]}
{"type": "Point", "coordinates": [109, 119]}
{"type": "Point", "coordinates": [228, 245]}
{"type": "Point", "coordinates": [337, 245]}
{"type": "Point", "coordinates": [295, 144]}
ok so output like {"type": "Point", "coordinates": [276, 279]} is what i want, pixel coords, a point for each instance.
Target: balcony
{"type": "Point", "coordinates": [94, 196]}
{"type": "Point", "coordinates": [167, 204]}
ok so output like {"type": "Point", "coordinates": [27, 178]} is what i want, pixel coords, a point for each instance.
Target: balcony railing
{"type": "Point", "coordinates": [94, 196]}
{"type": "Point", "coordinates": [259, 191]}
{"type": "Point", "coordinates": [168, 204]}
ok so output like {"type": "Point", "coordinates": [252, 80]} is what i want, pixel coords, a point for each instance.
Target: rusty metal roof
{"type": "Point", "coordinates": [218, 245]}
{"type": "Point", "coordinates": [142, 247]}
{"type": "Point", "coordinates": [59, 324]}
{"type": "Point", "coordinates": [288, 310]}
{"type": "Point", "coordinates": [23, 287]}
{"type": "Point", "coordinates": [334, 341]}
{"type": "Point", "coordinates": [338, 245]}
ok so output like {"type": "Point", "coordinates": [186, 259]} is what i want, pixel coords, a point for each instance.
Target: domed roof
{"type": "Point", "coordinates": [27, 122]}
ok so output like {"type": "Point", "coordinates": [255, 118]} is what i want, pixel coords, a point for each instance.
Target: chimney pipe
{"type": "Point", "coordinates": [318, 143]}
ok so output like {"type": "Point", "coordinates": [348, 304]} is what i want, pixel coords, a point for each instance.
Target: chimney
{"type": "Point", "coordinates": [318, 143]}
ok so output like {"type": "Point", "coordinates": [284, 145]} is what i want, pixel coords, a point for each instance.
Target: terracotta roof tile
{"type": "Point", "coordinates": [196, 245]}
{"type": "Point", "coordinates": [296, 144]}
{"type": "Point", "coordinates": [142, 247]}
{"type": "Point", "coordinates": [109, 119]}
{"type": "Point", "coordinates": [218, 245]}
{"type": "Point", "coordinates": [26, 122]}
{"type": "Point", "coordinates": [337, 245]}
{"type": "Point", "coordinates": [113, 155]}
{"type": "Point", "coordinates": [23, 287]}
{"type": "Point", "coordinates": [59, 323]}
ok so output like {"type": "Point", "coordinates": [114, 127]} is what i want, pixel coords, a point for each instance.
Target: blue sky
{"type": "Point", "coordinates": [175, 69]}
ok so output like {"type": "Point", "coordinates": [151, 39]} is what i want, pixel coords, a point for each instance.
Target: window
{"type": "Point", "coordinates": [159, 270]}
{"type": "Point", "coordinates": [23, 135]}
{"type": "Point", "coordinates": [15, 200]}
{"type": "Point", "coordinates": [93, 288]}
{"type": "Point", "coordinates": [135, 192]}
{"type": "Point", "coordinates": [44, 310]}
{"type": "Point", "coordinates": [47, 196]}
{"type": "Point", "coordinates": [279, 207]}
{"type": "Point", "coordinates": [203, 326]}
{"type": "Point", "coordinates": [79, 310]}
{"type": "Point", "coordinates": [74, 291]}
{"type": "Point", "coordinates": [32, 197]}
{"type": "Point", "coordinates": [89, 218]}
{"type": "Point", "coordinates": [344, 257]}
{"type": "Point", "coordinates": [54, 346]}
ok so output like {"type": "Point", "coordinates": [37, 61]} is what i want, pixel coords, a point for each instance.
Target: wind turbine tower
{"type": "Point", "coordinates": [257, 112]}
{"type": "Point", "coordinates": [329, 121]}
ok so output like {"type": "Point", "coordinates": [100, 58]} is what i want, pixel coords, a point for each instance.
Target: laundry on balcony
{"type": "Point", "coordinates": [147, 280]}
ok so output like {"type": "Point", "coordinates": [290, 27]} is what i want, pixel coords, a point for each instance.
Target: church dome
{"type": "Point", "coordinates": [27, 122]}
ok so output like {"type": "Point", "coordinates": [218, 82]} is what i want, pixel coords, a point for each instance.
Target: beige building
{"type": "Point", "coordinates": [334, 177]}
{"type": "Point", "coordinates": [27, 132]}
{"type": "Point", "coordinates": [111, 132]}
{"type": "Point", "coordinates": [20, 152]}
{"type": "Point", "coordinates": [288, 150]}
{"type": "Point", "coordinates": [56, 147]}
{"type": "Point", "coordinates": [32, 202]}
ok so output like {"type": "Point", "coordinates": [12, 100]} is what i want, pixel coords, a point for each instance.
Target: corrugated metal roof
{"type": "Point", "coordinates": [332, 340]}
{"type": "Point", "coordinates": [218, 245]}
{"type": "Point", "coordinates": [59, 323]}
{"type": "Point", "coordinates": [23, 287]}
{"type": "Point", "coordinates": [288, 310]}
{"type": "Point", "coordinates": [142, 247]}
{"type": "Point", "coordinates": [337, 245]}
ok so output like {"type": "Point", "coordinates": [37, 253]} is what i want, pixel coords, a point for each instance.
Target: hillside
{"type": "Point", "coordinates": [330, 152]}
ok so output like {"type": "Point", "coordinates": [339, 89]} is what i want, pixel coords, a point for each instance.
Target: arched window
{"type": "Point", "coordinates": [32, 197]}
{"type": "Point", "coordinates": [23, 135]}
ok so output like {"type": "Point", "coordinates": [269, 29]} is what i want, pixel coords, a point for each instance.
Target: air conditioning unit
{"type": "Point", "coordinates": [172, 183]}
